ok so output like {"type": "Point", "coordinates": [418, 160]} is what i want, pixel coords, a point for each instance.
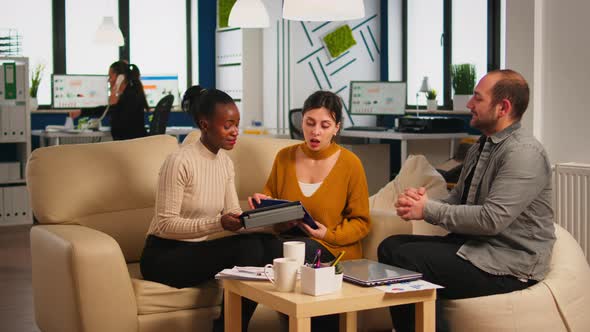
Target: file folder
{"type": "Point", "coordinates": [272, 215]}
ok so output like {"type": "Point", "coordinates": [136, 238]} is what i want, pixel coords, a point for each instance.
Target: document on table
{"type": "Point", "coordinates": [408, 286]}
{"type": "Point", "coordinates": [244, 273]}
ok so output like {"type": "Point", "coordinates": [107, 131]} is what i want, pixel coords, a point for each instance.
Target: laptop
{"type": "Point", "coordinates": [368, 273]}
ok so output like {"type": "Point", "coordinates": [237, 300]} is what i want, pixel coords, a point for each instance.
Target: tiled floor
{"type": "Point", "coordinates": [16, 295]}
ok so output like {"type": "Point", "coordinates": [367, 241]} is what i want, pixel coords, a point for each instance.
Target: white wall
{"type": "Point", "coordinates": [565, 69]}
{"type": "Point", "coordinates": [519, 27]}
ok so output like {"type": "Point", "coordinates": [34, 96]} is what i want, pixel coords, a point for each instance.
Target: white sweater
{"type": "Point", "coordinates": [195, 188]}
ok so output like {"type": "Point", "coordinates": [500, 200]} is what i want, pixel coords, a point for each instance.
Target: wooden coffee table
{"type": "Point", "coordinates": [301, 307]}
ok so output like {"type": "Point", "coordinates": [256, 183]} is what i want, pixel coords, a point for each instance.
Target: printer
{"type": "Point", "coordinates": [429, 124]}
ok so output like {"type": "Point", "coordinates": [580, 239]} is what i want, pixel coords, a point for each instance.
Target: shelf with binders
{"type": "Point", "coordinates": [15, 141]}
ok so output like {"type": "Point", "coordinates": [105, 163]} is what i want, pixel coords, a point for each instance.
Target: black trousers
{"type": "Point", "coordinates": [186, 264]}
{"type": "Point", "coordinates": [435, 257]}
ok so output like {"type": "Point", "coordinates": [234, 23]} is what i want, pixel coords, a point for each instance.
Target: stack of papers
{"type": "Point", "coordinates": [408, 286]}
{"type": "Point", "coordinates": [245, 273]}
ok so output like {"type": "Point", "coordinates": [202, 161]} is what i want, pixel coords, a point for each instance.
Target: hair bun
{"type": "Point", "coordinates": [191, 95]}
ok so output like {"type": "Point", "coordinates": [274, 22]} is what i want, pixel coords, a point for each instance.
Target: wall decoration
{"type": "Point", "coordinates": [339, 40]}
{"type": "Point", "coordinates": [297, 62]}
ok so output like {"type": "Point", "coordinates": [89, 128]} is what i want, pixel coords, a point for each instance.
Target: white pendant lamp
{"type": "Point", "coordinates": [109, 33]}
{"type": "Point", "coordinates": [323, 10]}
{"type": "Point", "coordinates": [249, 14]}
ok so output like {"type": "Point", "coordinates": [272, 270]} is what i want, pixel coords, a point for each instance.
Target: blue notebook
{"type": "Point", "coordinates": [271, 201]}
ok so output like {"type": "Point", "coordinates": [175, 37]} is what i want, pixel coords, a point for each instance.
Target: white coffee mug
{"type": "Point", "coordinates": [295, 250]}
{"type": "Point", "coordinates": [285, 273]}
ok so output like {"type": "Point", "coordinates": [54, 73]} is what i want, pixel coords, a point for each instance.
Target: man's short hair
{"type": "Point", "coordinates": [511, 86]}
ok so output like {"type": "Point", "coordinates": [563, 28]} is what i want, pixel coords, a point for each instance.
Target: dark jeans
{"type": "Point", "coordinates": [435, 257]}
{"type": "Point", "coordinates": [186, 264]}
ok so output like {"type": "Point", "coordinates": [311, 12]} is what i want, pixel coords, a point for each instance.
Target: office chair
{"type": "Point", "coordinates": [295, 119]}
{"type": "Point", "coordinates": [161, 113]}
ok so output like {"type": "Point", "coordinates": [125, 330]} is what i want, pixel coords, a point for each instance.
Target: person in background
{"type": "Point", "coordinates": [196, 202]}
{"type": "Point", "coordinates": [499, 214]}
{"type": "Point", "coordinates": [329, 181]}
{"type": "Point", "coordinates": [127, 102]}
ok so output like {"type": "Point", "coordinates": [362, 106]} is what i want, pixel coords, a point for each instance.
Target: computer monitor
{"type": "Point", "coordinates": [157, 87]}
{"type": "Point", "coordinates": [377, 98]}
{"type": "Point", "coordinates": [78, 91]}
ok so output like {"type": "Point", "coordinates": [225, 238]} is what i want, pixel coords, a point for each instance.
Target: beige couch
{"type": "Point", "coordinates": [94, 203]}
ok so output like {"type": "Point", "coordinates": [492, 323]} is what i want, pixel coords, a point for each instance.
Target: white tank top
{"type": "Point", "coordinates": [309, 188]}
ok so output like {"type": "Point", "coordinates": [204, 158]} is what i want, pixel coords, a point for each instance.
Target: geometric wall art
{"type": "Point", "coordinates": [302, 57]}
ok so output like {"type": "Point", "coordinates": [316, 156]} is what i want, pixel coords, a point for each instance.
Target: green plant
{"type": "Point", "coordinates": [224, 8]}
{"type": "Point", "coordinates": [36, 77]}
{"type": "Point", "coordinates": [339, 40]}
{"type": "Point", "coordinates": [463, 78]}
{"type": "Point", "coordinates": [431, 94]}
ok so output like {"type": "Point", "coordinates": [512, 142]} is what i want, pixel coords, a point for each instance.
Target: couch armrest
{"type": "Point", "coordinates": [80, 281]}
{"type": "Point", "coordinates": [384, 223]}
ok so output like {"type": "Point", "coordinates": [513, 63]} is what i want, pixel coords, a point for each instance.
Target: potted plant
{"type": "Point", "coordinates": [463, 80]}
{"type": "Point", "coordinates": [36, 76]}
{"type": "Point", "coordinates": [431, 102]}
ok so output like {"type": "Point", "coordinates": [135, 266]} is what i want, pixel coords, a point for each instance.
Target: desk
{"type": "Point", "coordinates": [301, 307]}
{"type": "Point", "coordinates": [404, 138]}
{"type": "Point", "coordinates": [45, 137]}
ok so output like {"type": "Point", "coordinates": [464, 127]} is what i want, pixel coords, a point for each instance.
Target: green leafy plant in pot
{"type": "Point", "coordinates": [463, 80]}
{"type": "Point", "coordinates": [431, 103]}
{"type": "Point", "coordinates": [36, 77]}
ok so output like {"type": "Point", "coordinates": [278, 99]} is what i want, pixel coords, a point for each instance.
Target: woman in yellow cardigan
{"type": "Point", "coordinates": [328, 180]}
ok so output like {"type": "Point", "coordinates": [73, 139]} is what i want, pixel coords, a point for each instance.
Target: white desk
{"type": "Point", "coordinates": [405, 137]}
{"type": "Point", "coordinates": [45, 137]}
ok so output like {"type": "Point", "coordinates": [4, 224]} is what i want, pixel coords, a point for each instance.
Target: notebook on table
{"type": "Point", "coordinates": [365, 272]}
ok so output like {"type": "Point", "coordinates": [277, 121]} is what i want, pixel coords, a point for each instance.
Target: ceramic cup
{"type": "Point", "coordinates": [295, 250]}
{"type": "Point", "coordinates": [285, 273]}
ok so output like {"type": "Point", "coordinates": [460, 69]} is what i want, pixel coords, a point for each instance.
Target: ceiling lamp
{"type": "Point", "coordinates": [323, 10]}
{"type": "Point", "coordinates": [249, 14]}
{"type": "Point", "coordinates": [109, 33]}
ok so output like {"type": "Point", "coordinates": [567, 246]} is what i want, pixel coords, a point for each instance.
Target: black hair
{"type": "Point", "coordinates": [200, 103]}
{"type": "Point", "coordinates": [329, 100]}
{"type": "Point", "coordinates": [132, 75]}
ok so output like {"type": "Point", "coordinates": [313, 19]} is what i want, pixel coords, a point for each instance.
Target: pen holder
{"type": "Point", "coordinates": [319, 281]}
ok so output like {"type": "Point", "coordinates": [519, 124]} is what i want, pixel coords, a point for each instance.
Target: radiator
{"type": "Point", "coordinates": [571, 201]}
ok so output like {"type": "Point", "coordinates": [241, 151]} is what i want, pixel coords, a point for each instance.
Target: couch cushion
{"type": "Point", "coordinates": [415, 172]}
{"type": "Point", "coordinates": [529, 310]}
{"type": "Point", "coordinates": [568, 280]}
{"type": "Point", "coordinates": [88, 183]}
{"type": "Point", "coordinates": [253, 158]}
{"type": "Point", "coordinates": [153, 297]}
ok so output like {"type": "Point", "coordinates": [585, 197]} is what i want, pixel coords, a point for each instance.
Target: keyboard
{"type": "Point", "coordinates": [367, 128]}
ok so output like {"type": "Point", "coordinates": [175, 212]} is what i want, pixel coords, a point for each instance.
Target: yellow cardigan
{"type": "Point", "coordinates": [341, 203]}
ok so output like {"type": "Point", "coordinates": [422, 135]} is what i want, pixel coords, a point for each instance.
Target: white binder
{"type": "Point", "coordinates": [21, 82]}
{"type": "Point", "coordinates": [13, 123]}
{"type": "Point", "coordinates": [4, 123]}
{"type": "Point", "coordinates": [21, 204]}
{"type": "Point", "coordinates": [9, 213]}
